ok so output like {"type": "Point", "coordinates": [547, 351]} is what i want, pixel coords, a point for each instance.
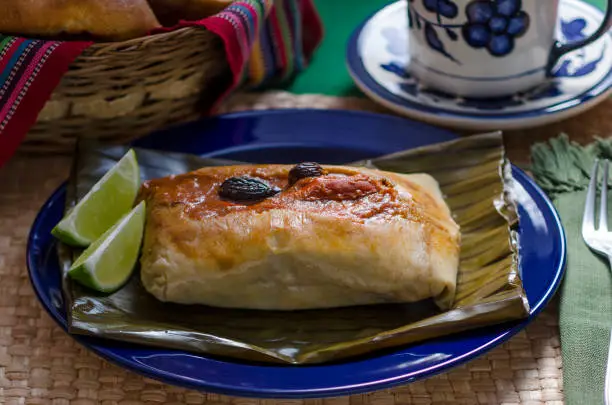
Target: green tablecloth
{"type": "Point", "coordinates": [327, 73]}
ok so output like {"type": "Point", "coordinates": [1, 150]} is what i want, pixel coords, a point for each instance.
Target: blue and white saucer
{"type": "Point", "coordinates": [378, 59]}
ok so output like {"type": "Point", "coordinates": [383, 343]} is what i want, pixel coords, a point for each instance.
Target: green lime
{"type": "Point", "coordinates": [108, 262]}
{"type": "Point", "coordinates": [108, 200]}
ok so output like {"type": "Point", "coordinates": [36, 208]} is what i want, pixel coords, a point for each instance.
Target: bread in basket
{"type": "Point", "coordinates": [127, 83]}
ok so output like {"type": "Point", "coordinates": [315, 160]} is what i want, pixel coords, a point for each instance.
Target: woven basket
{"type": "Point", "coordinates": [121, 91]}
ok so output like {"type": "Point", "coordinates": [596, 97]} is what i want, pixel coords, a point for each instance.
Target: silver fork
{"type": "Point", "coordinates": [600, 241]}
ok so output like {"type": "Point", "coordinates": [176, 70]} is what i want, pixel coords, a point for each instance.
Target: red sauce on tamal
{"type": "Point", "coordinates": [340, 192]}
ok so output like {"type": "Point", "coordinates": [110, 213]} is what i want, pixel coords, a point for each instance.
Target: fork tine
{"type": "Point", "coordinates": [588, 218]}
{"type": "Point", "coordinates": [603, 200]}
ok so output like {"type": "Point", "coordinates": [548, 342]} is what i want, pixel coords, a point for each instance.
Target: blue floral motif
{"type": "Point", "coordinates": [576, 67]}
{"type": "Point", "coordinates": [491, 24]}
{"type": "Point", "coordinates": [434, 42]}
{"type": "Point", "coordinates": [445, 8]}
{"type": "Point", "coordinates": [397, 70]}
{"type": "Point", "coordinates": [494, 24]}
{"type": "Point", "coordinates": [573, 30]}
{"type": "Point", "coordinates": [573, 65]}
{"type": "Point", "coordinates": [432, 28]}
{"type": "Point", "coordinates": [410, 85]}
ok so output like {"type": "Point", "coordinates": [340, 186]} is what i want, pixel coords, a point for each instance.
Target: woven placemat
{"type": "Point", "coordinates": [40, 364]}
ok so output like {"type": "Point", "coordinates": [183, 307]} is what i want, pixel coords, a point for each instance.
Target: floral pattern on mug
{"type": "Point", "coordinates": [494, 25]}
{"type": "Point", "coordinates": [575, 65]}
{"type": "Point", "coordinates": [491, 24]}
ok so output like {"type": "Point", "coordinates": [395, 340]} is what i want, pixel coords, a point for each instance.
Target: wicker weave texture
{"type": "Point", "coordinates": [121, 91]}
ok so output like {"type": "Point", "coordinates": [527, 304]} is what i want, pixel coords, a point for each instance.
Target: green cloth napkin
{"type": "Point", "coordinates": [562, 168]}
{"type": "Point", "coordinates": [327, 73]}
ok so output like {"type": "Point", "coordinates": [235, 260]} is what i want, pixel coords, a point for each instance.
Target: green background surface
{"type": "Point", "coordinates": [327, 72]}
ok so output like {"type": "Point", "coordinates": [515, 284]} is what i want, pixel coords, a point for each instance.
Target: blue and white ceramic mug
{"type": "Point", "coordinates": [487, 48]}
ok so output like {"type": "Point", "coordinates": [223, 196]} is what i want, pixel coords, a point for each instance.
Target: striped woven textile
{"type": "Point", "coordinates": [29, 71]}
{"type": "Point", "coordinates": [266, 41]}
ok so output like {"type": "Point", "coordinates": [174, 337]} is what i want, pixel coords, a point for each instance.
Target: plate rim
{"type": "Point", "coordinates": [513, 120]}
{"type": "Point", "coordinates": [332, 390]}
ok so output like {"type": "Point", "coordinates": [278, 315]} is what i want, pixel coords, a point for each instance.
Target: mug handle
{"type": "Point", "coordinates": [559, 49]}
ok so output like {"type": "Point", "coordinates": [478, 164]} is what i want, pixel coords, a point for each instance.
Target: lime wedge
{"type": "Point", "coordinates": [108, 200]}
{"type": "Point", "coordinates": [108, 262]}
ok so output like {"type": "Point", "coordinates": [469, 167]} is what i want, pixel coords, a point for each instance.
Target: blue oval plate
{"type": "Point", "coordinates": [287, 136]}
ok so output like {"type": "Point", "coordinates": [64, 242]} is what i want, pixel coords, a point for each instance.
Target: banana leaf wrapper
{"type": "Point", "coordinates": [476, 180]}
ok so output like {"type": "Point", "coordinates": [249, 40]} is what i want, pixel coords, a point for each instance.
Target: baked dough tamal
{"type": "Point", "coordinates": [284, 237]}
{"type": "Point", "coordinates": [113, 20]}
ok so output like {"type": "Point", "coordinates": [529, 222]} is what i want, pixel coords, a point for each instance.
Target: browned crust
{"type": "Point", "coordinates": [109, 19]}
{"type": "Point", "coordinates": [343, 193]}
